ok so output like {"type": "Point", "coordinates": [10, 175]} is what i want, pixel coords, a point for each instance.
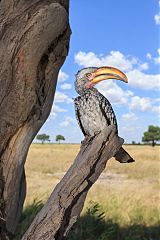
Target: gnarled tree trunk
{"type": "Point", "coordinates": [34, 39]}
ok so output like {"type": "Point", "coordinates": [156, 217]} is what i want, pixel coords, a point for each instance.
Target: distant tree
{"type": "Point", "coordinates": [133, 142]}
{"type": "Point", "coordinates": [43, 137]}
{"type": "Point", "coordinates": [60, 138]}
{"type": "Point", "coordinates": [152, 135]}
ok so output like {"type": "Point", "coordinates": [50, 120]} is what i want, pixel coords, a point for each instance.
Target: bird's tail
{"type": "Point", "coordinates": [123, 157]}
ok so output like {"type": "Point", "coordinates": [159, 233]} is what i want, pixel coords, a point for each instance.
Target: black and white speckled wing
{"type": "Point", "coordinates": [78, 116]}
{"type": "Point", "coordinates": [107, 110]}
{"type": "Point", "coordinates": [94, 112]}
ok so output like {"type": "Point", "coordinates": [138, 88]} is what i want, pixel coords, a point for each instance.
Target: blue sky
{"type": "Point", "coordinates": [118, 33]}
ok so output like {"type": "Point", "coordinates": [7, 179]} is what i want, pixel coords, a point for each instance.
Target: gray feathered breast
{"type": "Point", "coordinates": [94, 112]}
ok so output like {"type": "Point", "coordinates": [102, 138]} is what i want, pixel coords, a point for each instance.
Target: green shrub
{"type": "Point", "coordinates": [27, 217]}
{"type": "Point", "coordinates": [95, 225]}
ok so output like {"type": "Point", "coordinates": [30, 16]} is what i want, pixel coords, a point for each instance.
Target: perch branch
{"type": "Point", "coordinates": [66, 201]}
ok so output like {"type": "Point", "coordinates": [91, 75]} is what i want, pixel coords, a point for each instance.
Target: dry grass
{"type": "Point", "coordinates": [129, 194]}
{"type": "Point", "coordinates": [147, 165]}
{"type": "Point", "coordinates": [42, 162]}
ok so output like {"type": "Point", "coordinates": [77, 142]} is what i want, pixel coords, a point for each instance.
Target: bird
{"type": "Point", "coordinates": [93, 111]}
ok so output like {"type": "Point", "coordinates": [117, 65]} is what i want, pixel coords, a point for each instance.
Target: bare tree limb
{"type": "Point", "coordinates": [66, 202]}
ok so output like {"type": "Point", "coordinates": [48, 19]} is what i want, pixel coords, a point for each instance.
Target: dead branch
{"type": "Point", "coordinates": [66, 201]}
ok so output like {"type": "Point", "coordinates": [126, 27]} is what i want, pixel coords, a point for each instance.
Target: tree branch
{"type": "Point", "coordinates": [66, 202]}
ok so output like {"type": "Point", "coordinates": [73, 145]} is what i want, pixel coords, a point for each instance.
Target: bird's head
{"type": "Point", "coordinates": [88, 77]}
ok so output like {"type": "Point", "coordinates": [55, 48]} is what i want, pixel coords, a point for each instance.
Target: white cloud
{"type": "Point", "coordinates": [52, 115]}
{"type": "Point", "coordinates": [157, 18]}
{"type": "Point", "coordinates": [117, 96]}
{"type": "Point", "coordinates": [129, 117]}
{"type": "Point", "coordinates": [114, 93]}
{"type": "Point", "coordinates": [143, 66]}
{"type": "Point", "coordinates": [115, 59]}
{"type": "Point", "coordinates": [144, 81]}
{"type": "Point", "coordinates": [56, 109]}
{"type": "Point", "coordinates": [149, 55]}
{"type": "Point", "coordinates": [66, 86]}
{"type": "Point", "coordinates": [157, 59]}
{"type": "Point", "coordinates": [62, 76]}
{"type": "Point", "coordinates": [131, 65]}
{"type": "Point", "coordinates": [61, 97]}
{"type": "Point", "coordinates": [130, 128]}
{"type": "Point", "coordinates": [67, 121]}
{"type": "Point", "coordinates": [144, 104]}
{"type": "Point", "coordinates": [156, 109]}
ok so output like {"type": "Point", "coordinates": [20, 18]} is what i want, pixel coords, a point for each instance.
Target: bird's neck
{"type": "Point", "coordinates": [90, 91]}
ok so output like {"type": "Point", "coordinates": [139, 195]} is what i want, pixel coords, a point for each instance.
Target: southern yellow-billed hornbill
{"type": "Point", "coordinates": [93, 111]}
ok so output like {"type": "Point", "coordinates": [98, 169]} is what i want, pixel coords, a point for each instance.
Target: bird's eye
{"type": "Point", "coordinates": [89, 75]}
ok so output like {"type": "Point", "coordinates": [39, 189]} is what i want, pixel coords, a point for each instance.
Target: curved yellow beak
{"type": "Point", "coordinates": [105, 73]}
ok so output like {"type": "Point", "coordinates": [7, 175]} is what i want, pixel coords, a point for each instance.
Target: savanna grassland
{"type": "Point", "coordinates": [124, 204]}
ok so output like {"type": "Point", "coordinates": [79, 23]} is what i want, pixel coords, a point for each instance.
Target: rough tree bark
{"type": "Point", "coordinates": [66, 202]}
{"type": "Point", "coordinates": [34, 40]}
